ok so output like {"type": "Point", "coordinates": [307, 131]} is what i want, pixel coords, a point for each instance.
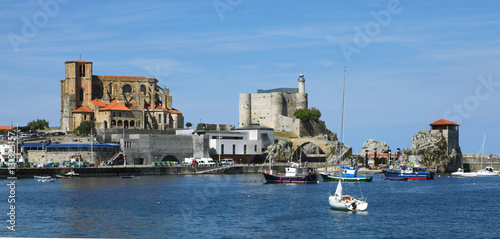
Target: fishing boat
{"type": "Point", "coordinates": [293, 174]}
{"type": "Point", "coordinates": [461, 173]}
{"type": "Point", "coordinates": [349, 174]}
{"type": "Point", "coordinates": [412, 173]}
{"type": "Point", "coordinates": [63, 177]}
{"type": "Point", "coordinates": [339, 201]}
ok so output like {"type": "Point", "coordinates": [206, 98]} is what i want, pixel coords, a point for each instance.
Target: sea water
{"type": "Point", "coordinates": [242, 206]}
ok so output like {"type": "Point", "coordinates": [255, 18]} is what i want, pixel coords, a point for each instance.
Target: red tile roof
{"type": "Point", "coordinates": [83, 109]}
{"type": "Point", "coordinates": [5, 127]}
{"type": "Point", "coordinates": [175, 111]}
{"type": "Point", "coordinates": [444, 122]}
{"type": "Point", "coordinates": [114, 105]}
{"type": "Point", "coordinates": [99, 103]}
{"type": "Point", "coordinates": [159, 107]}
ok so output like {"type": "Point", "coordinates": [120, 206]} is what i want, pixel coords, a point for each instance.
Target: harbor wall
{"type": "Point", "coordinates": [135, 170]}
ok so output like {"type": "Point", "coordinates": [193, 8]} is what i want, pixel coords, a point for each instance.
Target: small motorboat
{"type": "Point", "coordinates": [72, 174]}
{"type": "Point", "coordinates": [128, 176]}
{"type": "Point", "coordinates": [45, 179]}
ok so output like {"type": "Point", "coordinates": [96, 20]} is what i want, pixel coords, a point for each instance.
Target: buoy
{"type": "Point", "coordinates": [474, 184]}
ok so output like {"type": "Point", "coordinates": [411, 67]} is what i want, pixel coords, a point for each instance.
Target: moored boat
{"type": "Point", "coordinates": [340, 201]}
{"type": "Point", "coordinates": [349, 174]}
{"type": "Point", "coordinates": [488, 171]}
{"type": "Point", "coordinates": [412, 173]}
{"type": "Point", "coordinates": [461, 173]}
{"type": "Point", "coordinates": [293, 174]}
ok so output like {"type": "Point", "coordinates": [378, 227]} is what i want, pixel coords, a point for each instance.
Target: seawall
{"type": "Point", "coordinates": [135, 170]}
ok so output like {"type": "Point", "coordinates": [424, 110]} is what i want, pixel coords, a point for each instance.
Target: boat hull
{"type": "Point", "coordinates": [353, 205]}
{"type": "Point", "coordinates": [411, 176]}
{"type": "Point", "coordinates": [309, 178]}
{"type": "Point", "coordinates": [335, 178]}
{"type": "Point", "coordinates": [457, 174]}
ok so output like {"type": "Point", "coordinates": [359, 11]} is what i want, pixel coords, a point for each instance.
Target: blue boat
{"type": "Point", "coordinates": [349, 174]}
{"type": "Point", "coordinates": [413, 173]}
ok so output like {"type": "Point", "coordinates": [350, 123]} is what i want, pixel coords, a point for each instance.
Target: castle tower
{"type": "Point", "coordinates": [245, 110]}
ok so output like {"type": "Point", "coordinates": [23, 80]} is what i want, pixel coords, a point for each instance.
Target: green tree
{"type": "Point", "coordinates": [188, 125]}
{"type": "Point", "coordinates": [86, 127]}
{"type": "Point", "coordinates": [307, 114]}
{"type": "Point", "coordinates": [38, 124]}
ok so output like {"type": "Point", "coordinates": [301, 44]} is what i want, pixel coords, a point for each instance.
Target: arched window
{"type": "Point", "coordinates": [110, 88]}
{"type": "Point", "coordinates": [138, 123]}
{"type": "Point", "coordinates": [125, 124]}
{"type": "Point", "coordinates": [120, 124]}
{"type": "Point", "coordinates": [132, 123]}
{"type": "Point", "coordinates": [105, 124]}
{"type": "Point", "coordinates": [143, 89]}
{"type": "Point", "coordinates": [159, 118]}
{"type": "Point", "coordinates": [113, 123]}
{"type": "Point", "coordinates": [127, 89]}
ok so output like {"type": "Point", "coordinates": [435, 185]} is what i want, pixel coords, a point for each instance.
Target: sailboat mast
{"type": "Point", "coordinates": [342, 123]}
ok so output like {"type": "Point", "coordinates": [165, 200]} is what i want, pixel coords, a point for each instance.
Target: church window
{"type": "Point", "coordinates": [110, 88]}
{"type": "Point", "coordinates": [143, 89]}
{"type": "Point", "coordinates": [127, 89]}
{"type": "Point", "coordinates": [81, 95]}
{"type": "Point", "coordinates": [96, 92]}
{"type": "Point", "coordinates": [82, 70]}
{"type": "Point", "coordinates": [159, 118]}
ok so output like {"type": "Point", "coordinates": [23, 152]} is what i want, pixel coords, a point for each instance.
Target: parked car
{"type": "Point", "coordinates": [228, 161]}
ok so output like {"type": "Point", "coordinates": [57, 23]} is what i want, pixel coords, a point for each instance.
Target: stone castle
{"type": "Point", "coordinates": [275, 108]}
{"type": "Point", "coordinates": [135, 102]}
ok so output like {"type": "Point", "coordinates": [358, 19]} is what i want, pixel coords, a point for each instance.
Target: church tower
{"type": "Point", "coordinates": [76, 90]}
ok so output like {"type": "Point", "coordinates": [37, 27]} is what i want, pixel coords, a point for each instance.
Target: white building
{"type": "Point", "coordinates": [243, 145]}
{"type": "Point", "coordinates": [6, 150]}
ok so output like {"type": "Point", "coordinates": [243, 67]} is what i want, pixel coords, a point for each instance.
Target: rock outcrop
{"type": "Point", "coordinates": [371, 145]}
{"type": "Point", "coordinates": [434, 151]}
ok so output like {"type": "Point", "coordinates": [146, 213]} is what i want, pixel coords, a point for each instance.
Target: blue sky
{"type": "Point", "coordinates": [409, 63]}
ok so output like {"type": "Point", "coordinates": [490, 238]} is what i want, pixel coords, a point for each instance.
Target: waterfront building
{"type": "Point", "coordinates": [243, 145]}
{"type": "Point", "coordinates": [135, 102]}
{"type": "Point", "coordinates": [6, 150]}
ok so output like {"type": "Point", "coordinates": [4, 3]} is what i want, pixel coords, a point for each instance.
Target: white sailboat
{"type": "Point", "coordinates": [339, 201]}
{"type": "Point", "coordinates": [488, 171]}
